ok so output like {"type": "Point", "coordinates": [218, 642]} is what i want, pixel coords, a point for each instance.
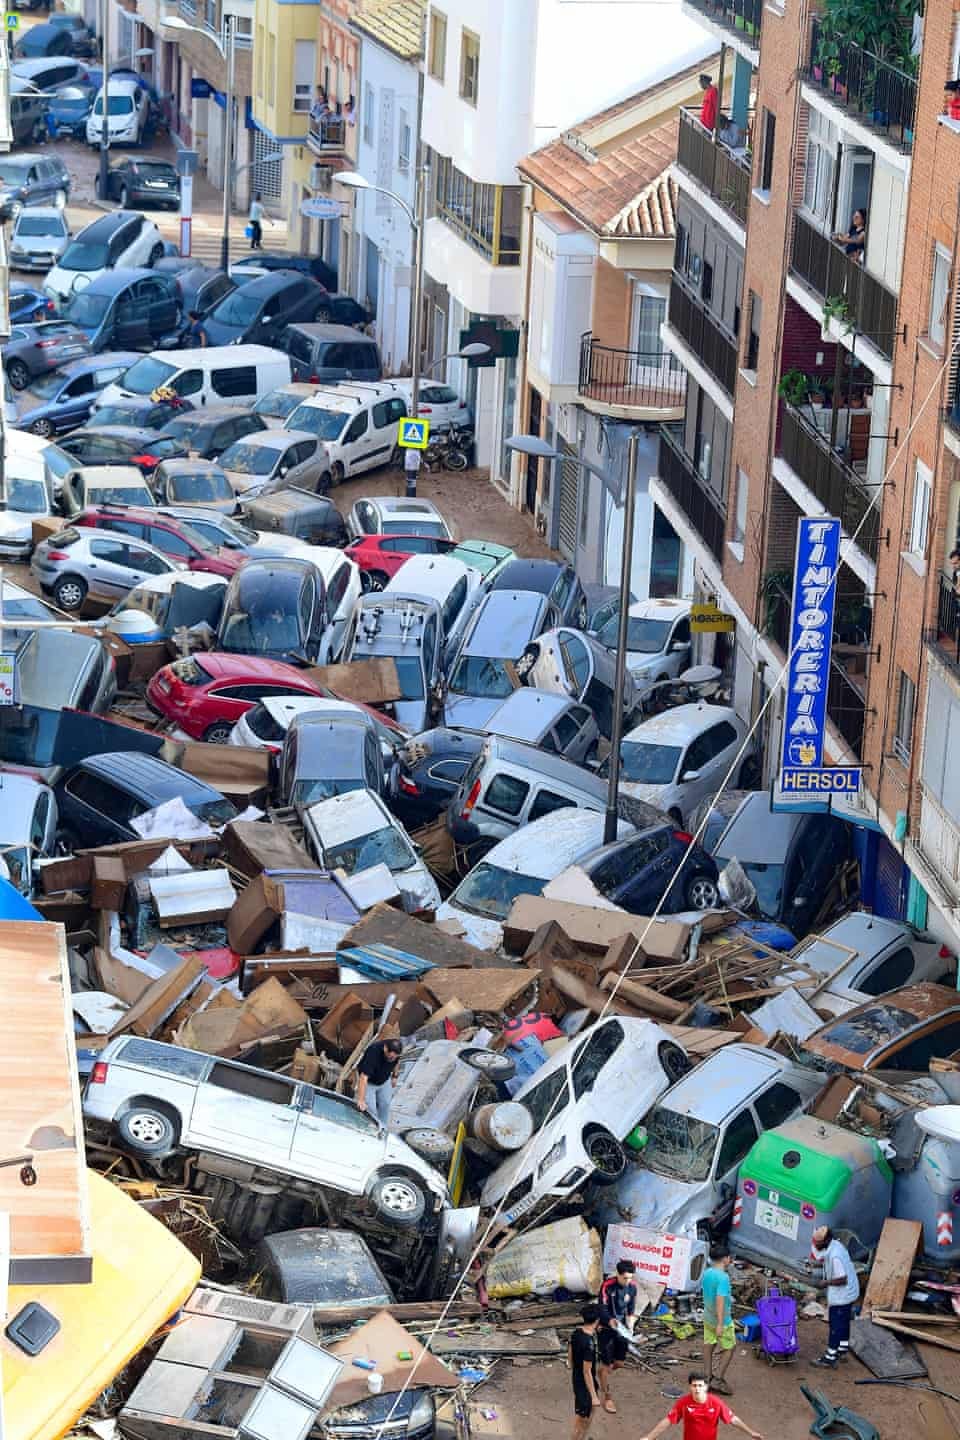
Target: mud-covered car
{"type": "Point", "coordinates": [437, 1083]}
{"type": "Point", "coordinates": [157, 1099]}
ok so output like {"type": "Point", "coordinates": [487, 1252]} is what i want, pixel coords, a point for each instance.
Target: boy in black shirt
{"type": "Point", "coordinates": [583, 1370]}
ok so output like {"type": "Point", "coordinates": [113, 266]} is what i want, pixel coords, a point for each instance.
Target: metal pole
{"type": "Point", "coordinates": [228, 144]}
{"type": "Point", "coordinates": [105, 128]}
{"type": "Point", "coordinates": [422, 175]}
{"type": "Point", "coordinates": [626, 565]}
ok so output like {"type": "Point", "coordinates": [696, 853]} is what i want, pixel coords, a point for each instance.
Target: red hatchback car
{"type": "Point", "coordinates": [168, 533]}
{"type": "Point", "coordinates": [379, 557]}
{"type": "Point", "coordinates": [207, 693]}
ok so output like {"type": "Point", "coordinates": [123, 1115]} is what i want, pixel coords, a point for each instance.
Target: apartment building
{"type": "Point", "coordinates": [497, 85]}
{"type": "Point", "coordinates": [821, 380]}
{"type": "Point", "coordinates": [598, 250]}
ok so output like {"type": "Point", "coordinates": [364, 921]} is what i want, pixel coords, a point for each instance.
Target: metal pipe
{"type": "Point", "coordinates": [228, 141]}
{"type": "Point", "coordinates": [626, 565]}
{"type": "Point", "coordinates": [105, 128]}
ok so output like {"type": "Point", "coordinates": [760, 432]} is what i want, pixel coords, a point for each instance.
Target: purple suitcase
{"type": "Point", "coordinates": [778, 1326]}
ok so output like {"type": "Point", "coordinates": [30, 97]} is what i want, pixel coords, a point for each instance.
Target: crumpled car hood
{"type": "Point", "coordinates": [641, 1197]}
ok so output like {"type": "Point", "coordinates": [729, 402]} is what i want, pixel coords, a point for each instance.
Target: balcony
{"type": "Point", "coordinates": [328, 135]}
{"type": "Point", "coordinates": [720, 170]}
{"type": "Point", "coordinates": [705, 510]}
{"type": "Point", "coordinates": [871, 90]}
{"type": "Point", "coordinates": [740, 17]}
{"type": "Point", "coordinates": [712, 346]}
{"type": "Point", "coordinates": [629, 380]}
{"type": "Point", "coordinates": [870, 308]}
{"type": "Point", "coordinates": [833, 480]}
{"type": "Point", "coordinates": [846, 690]}
{"type": "Point", "coordinates": [945, 635]}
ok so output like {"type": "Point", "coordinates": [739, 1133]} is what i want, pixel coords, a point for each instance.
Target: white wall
{"type": "Point", "coordinates": [561, 288]}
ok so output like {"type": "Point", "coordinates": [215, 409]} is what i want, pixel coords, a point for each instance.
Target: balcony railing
{"type": "Point", "coordinates": [697, 327]}
{"type": "Point", "coordinates": [870, 308]}
{"type": "Point", "coordinates": [846, 698]}
{"type": "Point", "coordinates": [743, 17]}
{"type": "Point", "coordinates": [330, 133]}
{"type": "Point", "coordinates": [719, 169]}
{"type": "Point", "coordinates": [632, 378]}
{"type": "Point", "coordinates": [879, 94]}
{"type": "Point", "coordinates": [705, 510]}
{"type": "Point", "coordinates": [946, 635]}
{"type": "Point", "coordinates": [831, 478]}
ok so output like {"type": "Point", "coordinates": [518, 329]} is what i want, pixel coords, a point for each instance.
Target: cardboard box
{"type": "Point", "coordinates": [237, 771]}
{"type": "Point", "coordinates": [49, 525]}
{"type": "Point", "coordinates": [109, 882]}
{"type": "Point", "coordinates": [252, 846]}
{"type": "Point", "coordinates": [254, 911]}
{"type": "Point", "coordinates": [595, 930]}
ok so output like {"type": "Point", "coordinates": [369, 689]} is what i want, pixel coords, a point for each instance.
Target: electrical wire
{"type": "Point", "coordinates": [746, 745]}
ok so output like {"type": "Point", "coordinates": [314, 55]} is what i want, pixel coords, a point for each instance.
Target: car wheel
{"type": "Point", "coordinates": [18, 374]}
{"type": "Point", "coordinates": [701, 893]}
{"type": "Point", "coordinates": [606, 1154]}
{"type": "Point", "coordinates": [70, 592]}
{"type": "Point", "coordinates": [42, 427]}
{"type": "Point", "coordinates": [218, 734]}
{"type": "Point", "coordinates": [430, 1144]}
{"type": "Point", "coordinates": [749, 774]}
{"type": "Point", "coordinates": [324, 483]}
{"type": "Point", "coordinates": [124, 197]}
{"type": "Point", "coordinates": [398, 1201]}
{"type": "Point", "coordinates": [147, 1129]}
{"type": "Point", "coordinates": [156, 253]}
{"type": "Point", "coordinates": [495, 1067]}
{"type": "Point", "coordinates": [396, 458]}
{"type": "Point", "coordinates": [372, 580]}
{"type": "Point", "coordinates": [674, 1061]}
{"type": "Point", "coordinates": [336, 473]}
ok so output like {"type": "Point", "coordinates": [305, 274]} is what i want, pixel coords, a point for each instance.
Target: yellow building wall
{"type": "Point", "coordinates": [276, 28]}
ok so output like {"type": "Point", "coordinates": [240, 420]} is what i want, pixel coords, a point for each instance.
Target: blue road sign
{"type": "Point", "coordinates": [413, 434]}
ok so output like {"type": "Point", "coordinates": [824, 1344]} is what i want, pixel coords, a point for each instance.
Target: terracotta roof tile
{"type": "Point", "coordinates": [396, 24]}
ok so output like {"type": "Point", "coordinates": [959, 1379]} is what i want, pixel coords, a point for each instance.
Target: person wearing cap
{"type": "Point", "coordinates": [377, 1075]}
{"type": "Point", "coordinates": [583, 1369]}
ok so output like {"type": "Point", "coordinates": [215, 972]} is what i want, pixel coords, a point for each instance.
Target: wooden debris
{"type": "Point", "coordinates": [890, 1273]}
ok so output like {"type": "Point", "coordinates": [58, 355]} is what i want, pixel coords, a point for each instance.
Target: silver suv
{"type": "Point", "coordinates": [158, 1098]}
{"type": "Point", "coordinates": [410, 632]}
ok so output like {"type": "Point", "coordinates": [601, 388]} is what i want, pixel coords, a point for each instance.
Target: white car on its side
{"type": "Point", "coordinates": [355, 831]}
{"type": "Point", "coordinates": [584, 1101]}
{"type": "Point", "coordinates": [679, 758]}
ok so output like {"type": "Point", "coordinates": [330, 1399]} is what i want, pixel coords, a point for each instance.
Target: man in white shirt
{"type": "Point", "coordinates": [843, 1290]}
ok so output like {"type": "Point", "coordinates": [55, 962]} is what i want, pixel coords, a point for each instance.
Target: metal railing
{"type": "Point", "coordinates": [724, 174]}
{"type": "Point", "coordinates": [846, 702]}
{"type": "Point", "coordinates": [743, 17]}
{"type": "Point", "coordinates": [330, 133]}
{"type": "Point", "coordinates": [705, 510]}
{"type": "Point", "coordinates": [879, 94]}
{"type": "Point", "coordinates": [946, 636]}
{"type": "Point", "coordinates": [869, 307]}
{"type": "Point", "coordinates": [654, 381]}
{"type": "Point", "coordinates": [694, 324]}
{"type": "Point", "coordinates": [831, 478]}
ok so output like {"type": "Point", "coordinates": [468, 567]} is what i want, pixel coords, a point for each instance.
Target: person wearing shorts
{"type": "Point", "coordinates": [719, 1336]}
{"type": "Point", "coordinates": [583, 1370]}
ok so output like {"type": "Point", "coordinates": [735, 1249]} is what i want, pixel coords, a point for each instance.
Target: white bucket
{"type": "Point", "coordinates": [374, 1382]}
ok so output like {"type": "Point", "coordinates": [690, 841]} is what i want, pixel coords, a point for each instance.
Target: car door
{"type": "Point", "coordinates": [696, 773]}
{"type": "Point", "coordinates": [97, 810]}
{"type": "Point", "coordinates": [358, 445]}
{"type": "Point", "coordinates": [679, 661]}
{"type": "Point", "coordinates": [738, 1136]}
{"type": "Point", "coordinates": [160, 303]}
{"type": "Point", "coordinates": [247, 1113]}
{"type": "Point", "coordinates": [652, 866]}
{"type": "Point", "coordinates": [336, 1144]}
{"type": "Point", "coordinates": [74, 402]}
{"type": "Point", "coordinates": [131, 321]}
{"type": "Point", "coordinates": [306, 464]}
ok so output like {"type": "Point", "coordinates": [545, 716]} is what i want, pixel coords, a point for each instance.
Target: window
{"type": "Point", "coordinates": [920, 512]}
{"type": "Point", "coordinates": [566, 730]}
{"type": "Point", "coordinates": [740, 517]}
{"type": "Point", "coordinates": [890, 974]}
{"type": "Point", "coordinates": [369, 114]}
{"type": "Point", "coordinates": [253, 1083]}
{"type": "Point", "coordinates": [403, 155]}
{"type": "Point", "coordinates": [471, 210]}
{"type": "Point", "coordinates": [903, 735]}
{"type": "Point", "coordinates": [768, 140]}
{"type": "Point", "coordinates": [940, 1043]}
{"type": "Point", "coordinates": [740, 1136]}
{"type": "Point", "coordinates": [304, 66]}
{"type": "Point", "coordinates": [776, 1105]}
{"type": "Point", "coordinates": [939, 288]}
{"type": "Point", "coordinates": [469, 66]}
{"type": "Point", "coordinates": [820, 168]}
{"type": "Point", "coordinates": [340, 1111]}
{"type": "Point", "coordinates": [545, 804]}
{"type": "Point", "coordinates": [506, 793]}
{"type": "Point", "coordinates": [437, 48]}
{"type": "Point", "coordinates": [755, 313]}
{"type": "Point", "coordinates": [236, 380]}
{"type": "Point", "coordinates": [358, 427]}
{"type": "Point", "coordinates": [593, 1054]}
{"type": "Point", "coordinates": [388, 412]}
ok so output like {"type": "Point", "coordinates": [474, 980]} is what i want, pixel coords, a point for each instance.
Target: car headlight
{"type": "Point", "coordinates": [553, 1155]}
{"type": "Point", "coordinates": [423, 1412]}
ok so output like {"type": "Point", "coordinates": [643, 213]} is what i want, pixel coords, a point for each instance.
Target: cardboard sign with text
{"type": "Point", "coordinates": [676, 1261]}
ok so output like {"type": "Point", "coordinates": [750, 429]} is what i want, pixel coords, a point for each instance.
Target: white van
{"type": "Point", "coordinates": [452, 584]}
{"type": "Point", "coordinates": [356, 423]}
{"type": "Point", "coordinates": [209, 375]}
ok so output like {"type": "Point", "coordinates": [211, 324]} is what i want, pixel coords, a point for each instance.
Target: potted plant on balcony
{"type": "Point", "coordinates": [882, 31]}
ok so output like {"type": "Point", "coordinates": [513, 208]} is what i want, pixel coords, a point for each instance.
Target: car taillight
{"type": "Point", "coordinates": [50, 305]}
{"type": "Point", "coordinates": [471, 800]}
{"type": "Point", "coordinates": [463, 405]}
{"type": "Point", "coordinates": [314, 380]}
{"type": "Point", "coordinates": [683, 837]}
{"type": "Point", "coordinates": [425, 409]}
{"type": "Point", "coordinates": [46, 344]}
{"type": "Point", "coordinates": [98, 1075]}
{"type": "Point", "coordinates": [151, 461]}
{"type": "Point", "coordinates": [407, 787]}
{"type": "Point", "coordinates": [57, 555]}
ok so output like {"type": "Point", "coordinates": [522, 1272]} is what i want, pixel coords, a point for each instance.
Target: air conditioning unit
{"type": "Point", "coordinates": [321, 177]}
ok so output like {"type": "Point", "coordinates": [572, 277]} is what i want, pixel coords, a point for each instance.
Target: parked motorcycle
{"type": "Point", "coordinates": [449, 449]}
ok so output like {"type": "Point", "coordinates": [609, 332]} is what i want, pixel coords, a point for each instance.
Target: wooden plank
{"type": "Point", "coordinates": [383, 925]}
{"type": "Point", "coordinates": [882, 1353]}
{"type": "Point", "coordinates": [929, 1337]}
{"type": "Point", "coordinates": [643, 997]}
{"type": "Point", "coordinates": [411, 1311]}
{"type": "Point", "coordinates": [890, 1273]}
{"type": "Point", "coordinates": [496, 1342]}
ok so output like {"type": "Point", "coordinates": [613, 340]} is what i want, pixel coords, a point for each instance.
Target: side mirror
{"type": "Point", "coordinates": [677, 646]}
{"type": "Point", "coordinates": [689, 775]}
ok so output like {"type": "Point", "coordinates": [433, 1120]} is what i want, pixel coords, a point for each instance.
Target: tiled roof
{"type": "Point", "coordinates": [396, 24]}
{"type": "Point", "coordinates": [623, 193]}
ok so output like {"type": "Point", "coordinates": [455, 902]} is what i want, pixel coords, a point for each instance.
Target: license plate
{"type": "Point", "coordinates": [156, 185]}
{"type": "Point", "coordinates": [773, 1217]}
{"type": "Point", "coordinates": [521, 1209]}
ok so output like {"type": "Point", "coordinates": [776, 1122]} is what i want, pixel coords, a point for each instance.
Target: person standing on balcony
{"type": "Point", "coordinates": [320, 108]}
{"type": "Point", "coordinates": [856, 238]}
{"type": "Point", "coordinates": [710, 104]}
{"type": "Point", "coordinates": [955, 573]}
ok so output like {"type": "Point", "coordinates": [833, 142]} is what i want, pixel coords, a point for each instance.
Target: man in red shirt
{"type": "Point", "coordinates": [710, 103]}
{"type": "Point", "coordinates": [701, 1415]}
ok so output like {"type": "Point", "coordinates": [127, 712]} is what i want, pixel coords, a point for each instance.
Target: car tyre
{"type": "Point", "coordinates": [324, 483]}
{"type": "Point", "coordinates": [18, 375]}
{"type": "Point", "coordinates": [431, 1145]}
{"type": "Point", "coordinates": [606, 1154]}
{"type": "Point", "coordinates": [337, 475]}
{"type": "Point", "coordinates": [156, 253]}
{"type": "Point", "coordinates": [42, 427]}
{"type": "Point", "coordinates": [69, 592]}
{"type": "Point", "coordinates": [124, 197]}
{"type": "Point", "coordinates": [399, 1201]}
{"type": "Point", "coordinates": [372, 580]}
{"type": "Point", "coordinates": [494, 1066]}
{"type": "Point", "coordinates": [701, 892]}
{"type": "Point", "coordinates": [147, 1129]}
{"type": "Point", "coordinates": [674, 1060]}
{"type": "Point", "coordinates": [218, 733]}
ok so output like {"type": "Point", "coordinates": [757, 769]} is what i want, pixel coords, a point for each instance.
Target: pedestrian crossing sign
{"type": "Point", "coordinates": [12, 20]}
{"type": "Point", "coordinates": [413, 434]}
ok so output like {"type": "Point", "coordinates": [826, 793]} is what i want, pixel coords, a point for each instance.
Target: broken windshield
{"type": "Point", "coordinates": [679, 1145]}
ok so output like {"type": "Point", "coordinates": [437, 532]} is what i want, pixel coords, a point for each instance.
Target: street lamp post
{"type": "Point", "coordinates": [227, 53]}
{"type": "Point", "coordinates": [626, 565]}
{"type": "Point", "coordinates": [105, 100]}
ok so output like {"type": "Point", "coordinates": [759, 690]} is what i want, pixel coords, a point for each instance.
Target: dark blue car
{"type": "Point", "coordinates": [125, 309]}
{"type": "Point", "coordinates": [27, 303]}
{"type": "Point", "coordinates": [98, 798]}
{"type": "Point", "coordinates": [636, 872]}
{"type": "Point", "coordinates": [63, 399]}
{"type": "Point", "coordinates": [69, 108]}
